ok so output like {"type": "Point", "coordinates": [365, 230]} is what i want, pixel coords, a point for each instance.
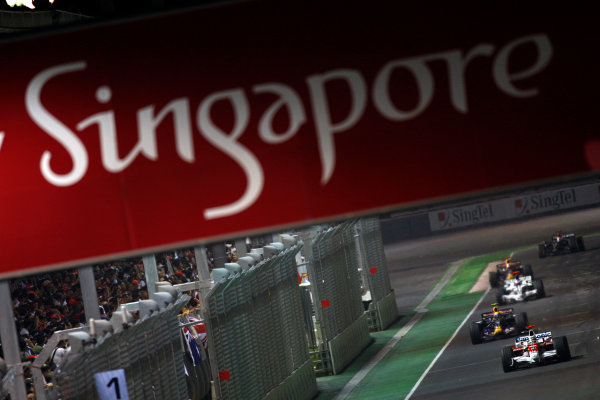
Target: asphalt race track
{"type": "Point", "coordinates": [416, 265]}
{"type": "Point", "coordinates": [571, 308]}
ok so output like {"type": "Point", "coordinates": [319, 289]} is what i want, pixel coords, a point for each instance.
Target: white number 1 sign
{"type": "Point", "coordinates": [111, 385]}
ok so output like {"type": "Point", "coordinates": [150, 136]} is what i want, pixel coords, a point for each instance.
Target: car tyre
{"type": "Point", "coordinates": [528, 271]}
{"type": "Point", "coordinates": [573, 244]}
{"type": "Point", "coordinates": [507, 364]}
{"type": "Point", "coordinates": [475, 333]}
{"type": "Point", "coordinates": [539, 285]}
{"type": "Point", "coordinates": [561, 344]}
{"type": "Point", "coordinates": [499, 296]}
{"type": "Point", "coordinates": [493, 279]}
{"type": "Point", "coordinates": [580, 244]}
{"type": "Point", "coordinates": [541, 250]}
{"type": "Point", "coordinates": [521, 321]}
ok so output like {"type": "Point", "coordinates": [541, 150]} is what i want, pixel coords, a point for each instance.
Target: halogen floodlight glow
{"type": "Point", "coordinates": [26, 3]}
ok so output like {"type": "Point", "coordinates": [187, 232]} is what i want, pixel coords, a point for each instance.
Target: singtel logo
{"type": "Point", "coordinates": [465, 216]}
{"type": "Point", "coordinates": [547, 201]}
{"type": "Point", "coordinates": [190, 119]}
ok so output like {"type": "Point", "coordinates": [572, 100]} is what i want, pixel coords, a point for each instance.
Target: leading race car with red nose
{"type": "Point", "coordinates": [534, 349]}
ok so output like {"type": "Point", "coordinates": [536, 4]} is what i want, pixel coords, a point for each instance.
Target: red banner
{"type": "Point", "coordinates": [156, 132]}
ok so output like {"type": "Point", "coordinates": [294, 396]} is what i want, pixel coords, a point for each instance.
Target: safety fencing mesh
{"type": "Point", "coordinates": [375, 264]}
{"type": "Point", "coordinates": [257, 339]}
{"type": "Point", "coordinates": [375, 273]}
{"type": "Point", "coordinates": [149, 351]}
{"type": "Point", "coordinates": [335, 281]}
{"type": "Point", "coordinates": [336, 278]}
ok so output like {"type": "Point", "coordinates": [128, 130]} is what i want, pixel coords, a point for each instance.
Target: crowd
{"type": "Point", "coordinates": [124, 281]}
{"type": "Point", "coordinates": [52, 301]}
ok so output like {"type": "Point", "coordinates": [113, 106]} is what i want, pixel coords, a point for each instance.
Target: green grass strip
{"type": "Point", "coordinates": [464, 279]}
{"type": "Point", "coordinates": [329, 386]}
{"type": "Point", "coordinates": [394, 377]}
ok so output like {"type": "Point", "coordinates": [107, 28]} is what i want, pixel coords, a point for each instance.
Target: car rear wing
{"type": "Point", "coordinates": [502, 311]}
{"type": "Point", "coordinates": [512, 264]}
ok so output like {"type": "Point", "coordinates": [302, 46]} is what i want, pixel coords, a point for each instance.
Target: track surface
{"type": "Point", "coordinates": [416, 265]}
{"type": "Point", "coordinates": [571, 308]}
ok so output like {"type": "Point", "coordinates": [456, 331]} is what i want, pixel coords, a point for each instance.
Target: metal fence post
{"type": "Point", "coordinates": [10, 341]}
{"type": "Point", "coordinates": [240, 247]}
{"type": "Point", "coordinates": [203, 270]}
{"type": "Point", "coordinates": [219, 255]}
{"type": "Point", "coordinates": [151, 272]}
{"type": "Point", "coordinates": [88, 293]}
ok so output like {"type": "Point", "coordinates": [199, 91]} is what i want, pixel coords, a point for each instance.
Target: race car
{"type": "Point", "coordinates": [560, 243]}
{"type": "Point", "coordinates": [497, 324]}
{"type": "Point", "coordinates": [535, 349]}
{"type": "Point", "coordinates": [520, 288]}
{"type": "Point", "coordinates": [506, 270]}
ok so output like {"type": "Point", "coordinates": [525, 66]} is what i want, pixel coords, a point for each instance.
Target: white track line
{"type": "Point", "coordinates": [421, 310]}
{"type": "Point", "coordinates": [440, 285]}
{"type": "Point", "coordinates": [445, 346]}
{"type": "Point", "coordinates": [436, 371]}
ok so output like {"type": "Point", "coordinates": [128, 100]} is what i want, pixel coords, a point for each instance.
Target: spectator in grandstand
{"type": "Point", "coordinates": [52, 301]}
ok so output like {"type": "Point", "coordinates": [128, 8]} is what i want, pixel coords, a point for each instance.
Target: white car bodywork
{"type": "Point", "coordinates": [533, 349]}
{"type": "Point", "coordinates": [518, 289]}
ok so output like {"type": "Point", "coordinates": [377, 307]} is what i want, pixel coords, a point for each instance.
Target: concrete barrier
{"type": "Point", "coordinates": [350, 343]}
{"type": "Point", "coordinates": [493, 210]}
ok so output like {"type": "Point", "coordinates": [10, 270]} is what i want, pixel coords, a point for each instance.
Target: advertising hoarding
{"type": "Point", "coordinates": [185, 127]}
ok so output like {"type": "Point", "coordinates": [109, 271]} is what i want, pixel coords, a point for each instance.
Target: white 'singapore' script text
{"type": "Point", "coordinates": [288, 100]}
